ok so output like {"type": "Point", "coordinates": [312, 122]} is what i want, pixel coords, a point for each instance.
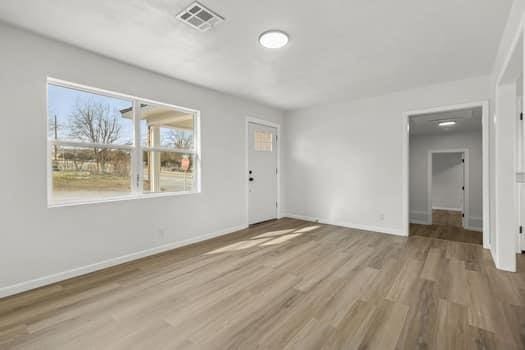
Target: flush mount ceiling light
{"type": "Point", "coordinates": [273, 39]}
{"type": "Point", "coordinates": [448, 123]}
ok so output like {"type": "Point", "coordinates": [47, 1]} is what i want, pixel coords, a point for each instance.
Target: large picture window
{"type": "Point", "coordinates": [106, 146]}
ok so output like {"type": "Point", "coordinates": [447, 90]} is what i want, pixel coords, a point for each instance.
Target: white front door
{"type": "Point", "coordinates": [262, 173]}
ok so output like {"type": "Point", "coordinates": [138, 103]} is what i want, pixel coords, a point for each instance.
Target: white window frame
{"type": "Point", "coordinates": [136, 150]}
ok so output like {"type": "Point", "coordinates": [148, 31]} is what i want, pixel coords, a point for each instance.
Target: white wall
{"type": "Point", "coordinates": [419, 148]}
{"type": "Point", "coordinates": [344, 160]}
{"type": "Point", "coordinates": [447, 181]}
{"type": "Point", "coordinates": [36, 241]}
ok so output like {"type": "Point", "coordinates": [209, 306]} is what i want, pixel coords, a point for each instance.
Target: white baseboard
{"type": "Point", "coordinates": [499, 265]}
{"type": "Point", "coordinates": [390, 231]}
{"type": "Point", "coordinates": [419, 217]}
{"type": "Point", "coordinates": [448, 209]}
{"type": "Point", "coordinates": [419, 222]}
{"type": "Point", "coordinates": [474, 224]}
{"type": "Point", "coordinates": [61, 276]}
{"type": "Point", "coordinates": [508, 268]}
{"type": "Point", "coordinates": [301, 217]}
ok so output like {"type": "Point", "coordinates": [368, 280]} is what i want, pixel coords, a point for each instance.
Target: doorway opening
{"type": "Point", "coordinates": [447, 160]}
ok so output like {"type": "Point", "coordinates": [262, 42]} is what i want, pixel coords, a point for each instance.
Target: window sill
{"type": "Point", "coordinates": [130, 197]}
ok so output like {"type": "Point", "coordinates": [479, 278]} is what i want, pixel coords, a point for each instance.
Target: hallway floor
{"type": "Point", "coordinates": [447, 225]}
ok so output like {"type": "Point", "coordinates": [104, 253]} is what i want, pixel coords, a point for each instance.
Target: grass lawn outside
{"type": "Point", "coordinates": [85, 184]}
{"type": "Point", "coordinates": [71, 181]}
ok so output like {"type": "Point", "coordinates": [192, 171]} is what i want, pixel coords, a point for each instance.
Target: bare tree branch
{"type": "Point", "coordinates": [92, 122]}
{"type": "Point", "coordinates": [179, 139]}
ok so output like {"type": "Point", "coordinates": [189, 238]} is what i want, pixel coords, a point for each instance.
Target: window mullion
{"type": "Point", "coordinates": [197, 155]}
{"type": "Point", "coordinates": [89, 145]}
{"type": "Point", "coordinates": [169, 150]}
{"type": "Point", "coordinates": [137, 174]}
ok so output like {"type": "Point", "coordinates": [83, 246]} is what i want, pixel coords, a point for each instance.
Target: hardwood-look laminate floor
{"type": "Point", "coordinates": [286, 284]}
{"type": "Point", "coordinates": [447, 225]}
{"type": "Point", "coordinates": [447, 218]}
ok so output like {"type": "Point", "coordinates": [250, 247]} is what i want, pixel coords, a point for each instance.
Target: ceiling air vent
{"type": "Point", "coordinates": [200, 17]}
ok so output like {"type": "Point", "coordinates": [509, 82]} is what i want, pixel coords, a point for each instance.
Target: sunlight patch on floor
{"type": "Point", "coordinates": [239, 246]}
{"type": "Point", "coordinates": [273, 233]}
{"type": "Point", "coordinates": [281, 239]}
{"type": "Point", "coordinates": [265, 239]}
{"type": "Point", "coordinates": [307, 229]}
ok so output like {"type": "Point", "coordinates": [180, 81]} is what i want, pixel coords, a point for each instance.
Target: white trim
{"type": "Point", "coordinates": [466, 182]}
{"type": "Point", "coordinates": [405, 160]}
{"type": "Point", "coordinates": [419, 214]}
{"type": "Point", "coordinates": [136, 149]}
{"type": "Point", "coordinates": [418, 222]}
{"type": "Point", "coordinates": [168, 150]}
{"type": "Point", "coordinates": [486, 158]}
{"type": "Point", "coordinates": [448, 209]}
{"type": "Point", "coordinates": [264, 122]}
{"type": "Point", "coordinates": [91, 145]}
{"type": "Point", "coordinates": [301, 217]}
{"type": "Point", "coordinates": [474, 219]}
{"type": "Point", "coordinates": [131, 196]}
{"type": "Point", "coordinates": [197, 166]}
{"type": "Point", "coordinates": [79, 271]}
{"type": "Point", "coordinates": [485, 140]}
{"type": "Point", "coordinates": [472, 227]}
{"type": "Point", "coordinates": [137, 170]}
{"type": "Point", "coordinates": [494, 256]}
{"type": "Point", "coordinates": [386, 230]}
{"type": "Point", "coordinates": [109, 93]}
{"type": "Point", "coordinates": [518, 150]}
{"type": "Point", "coordinates": [517, 39]}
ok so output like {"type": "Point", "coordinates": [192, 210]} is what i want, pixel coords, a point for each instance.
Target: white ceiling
{"type": "Point", "coordinates": [467, 120]}
{"type": "Point", "coordinates": [338, 48]}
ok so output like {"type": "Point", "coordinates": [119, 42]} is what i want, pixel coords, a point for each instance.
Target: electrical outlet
{"type": "Point", "coordinates": [381, 217]}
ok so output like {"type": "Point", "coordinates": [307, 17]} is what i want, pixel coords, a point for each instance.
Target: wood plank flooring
{"type": "Point", "coordinates": [447, 218]}
{"type": "Point", "coordinates": [286, 284]}
{"type": "Point", "coordinates": [447, 225]}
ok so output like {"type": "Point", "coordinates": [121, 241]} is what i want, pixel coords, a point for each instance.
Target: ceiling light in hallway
{"type": "Point", "coordinates": [449, 123]}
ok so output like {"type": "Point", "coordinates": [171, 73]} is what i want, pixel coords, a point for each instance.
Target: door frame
{"type": "Point", "coordinates": [466, 192]}
{"type": "Point", "coordinates": [262, 122]}
{"type": "Point", "coordinates": [505, 218]}
{"type": "Point", "coordinates": [485, 155]}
